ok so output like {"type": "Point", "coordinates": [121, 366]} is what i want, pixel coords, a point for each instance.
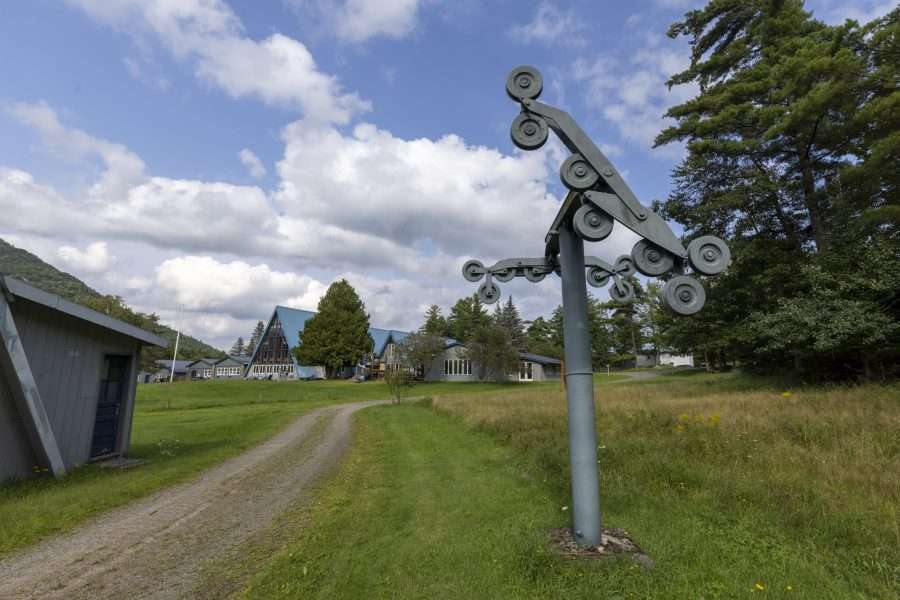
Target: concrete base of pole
{"type": "Point", "coordinates": [579, 391]}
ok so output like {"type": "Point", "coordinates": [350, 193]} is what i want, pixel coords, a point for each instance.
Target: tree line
{"type": "Point", "coordinates": [793, 156]}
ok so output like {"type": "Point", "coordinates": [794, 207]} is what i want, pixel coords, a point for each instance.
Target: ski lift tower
{"type": "Point", "coordinates": [598, 199]}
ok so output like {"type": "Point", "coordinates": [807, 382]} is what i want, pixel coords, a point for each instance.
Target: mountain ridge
{"type": "Point", "coordinates": [21, 264]}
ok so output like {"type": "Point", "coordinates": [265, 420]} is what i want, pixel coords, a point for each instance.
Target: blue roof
{"type": "Point", "coordinates": [293, 321]}
{"type": "Point", "coordinates": [382, 337]}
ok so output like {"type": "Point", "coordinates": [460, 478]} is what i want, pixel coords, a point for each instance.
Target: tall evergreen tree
{"type": "Point", "coordinates": [600, 331]}
{"type": "Point", "coordinates": [238, 348]}
{"type": "Point", "coordinates": [540, 339]}
{"type": "Point", "coordinates": [255, 337]}
{"type": "Point", "coordinates": [435, 322]}
{"type": "Point", "coordinates": [507, 316]}
{"type": "Point", "coordinates": [793, 154]}
{"type": "Point", "coordinates": [467, 316]}
{"type": "Point", "coordinates": [337, 336]}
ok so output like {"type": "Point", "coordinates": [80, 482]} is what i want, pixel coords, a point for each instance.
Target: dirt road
{"type": "Point", "coordinates": [160, 546]}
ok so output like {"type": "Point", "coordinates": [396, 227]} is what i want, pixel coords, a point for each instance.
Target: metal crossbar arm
{"type": "Point", "coordinates": [652, 228]}
{"type": "Point", "coordinates": [536, 269]}
{"type": "Point", "coordinates": [576, 140]}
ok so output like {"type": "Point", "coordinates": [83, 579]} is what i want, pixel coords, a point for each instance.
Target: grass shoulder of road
{"type": "Point", "coordinates": [735, 486]}
{"type": "Point", "coordinates": [182, 429]}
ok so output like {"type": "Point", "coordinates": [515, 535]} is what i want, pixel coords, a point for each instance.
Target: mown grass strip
{"type": "Point", "coordinates": [183, 429]}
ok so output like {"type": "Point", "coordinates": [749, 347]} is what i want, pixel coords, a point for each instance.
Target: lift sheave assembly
{"type": "Point", "coordinates": [598, 198]}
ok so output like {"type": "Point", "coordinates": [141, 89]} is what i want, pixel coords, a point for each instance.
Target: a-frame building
{"type": "Point", "coordinates": [273, 358]}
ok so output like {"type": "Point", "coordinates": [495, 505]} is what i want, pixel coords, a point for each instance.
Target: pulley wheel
{"type": "Point", "coordinates": [621, 291]}
{"type": "Point", "coordinates": [488, 292]}
{"type": "Point", "coordinates": [524, 83]}
{"type": "Point", "coordinates": [473, 270]}
{"type": "Point", "coordinates": [577, 173]}
{"type": "Point", "coordinates": [591, 223]}
{"type": "Point", "coordinates": [533, 275]}
{"type": "Point", "coordinates": [598, 277]}
{"type": "Point", "coordinates": [504, 275]}
{"type": "Point", "coordinates": [684, 295]}
{"type": "Point", "coordinates": [529, 132]}
{"type": "Point", "coordinates": [624, 266]}
{"type": "Point", "coordinates": [650, 259]}
{"type": "Point", "coordinates": [709, 255]}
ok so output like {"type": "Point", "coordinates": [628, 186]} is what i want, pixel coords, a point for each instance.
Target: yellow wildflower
{"type": "Point", "coordinates": [760, 586]}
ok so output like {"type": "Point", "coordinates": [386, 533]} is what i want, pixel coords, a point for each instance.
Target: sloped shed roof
{"type": "Point", "coordinates": [29, 292]}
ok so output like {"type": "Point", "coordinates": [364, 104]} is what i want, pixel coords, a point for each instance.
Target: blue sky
{"type": "Point", "coordinates": [208, 159]}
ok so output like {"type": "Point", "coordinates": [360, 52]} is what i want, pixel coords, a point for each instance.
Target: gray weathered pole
{"type": "Point", "coordinates": [580, 390]}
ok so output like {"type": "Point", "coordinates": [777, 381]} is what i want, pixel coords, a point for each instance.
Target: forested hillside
{"type": "Point", "coordinates": [23, 265]}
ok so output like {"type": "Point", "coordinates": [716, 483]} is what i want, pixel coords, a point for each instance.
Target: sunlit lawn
{"type": "Point", "coordinates": [183, 429]}
{"type": "Point", "coordinates": [736, 487]}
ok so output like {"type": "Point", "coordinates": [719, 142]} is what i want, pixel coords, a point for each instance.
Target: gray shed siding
{"type": "Point", "coordinates": [66, 355]}
{"type": "Point", "coordinates": [15, 448]}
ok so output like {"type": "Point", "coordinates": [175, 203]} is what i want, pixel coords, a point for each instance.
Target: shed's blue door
{"type": "Point", "coordinates": [109, 405]}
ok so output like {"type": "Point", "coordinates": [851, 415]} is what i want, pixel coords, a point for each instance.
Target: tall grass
{"type": "Point", "coordinates": [810, 470]}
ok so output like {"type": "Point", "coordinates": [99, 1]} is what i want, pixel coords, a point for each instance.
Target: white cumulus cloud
{"type": "Point", "coordinates": [360, 20]}
{"type": "Point", "coordinates": [252, 162]}
{"type": "Point", "coordinates": [632, 93]}
{"type": "Point", "coordinates": [278, 70]}
{"type": "Point", "coordinates": [236, 288]}
{"type": "Point", "coordinates": [397, 217]}
{"type": "Point", "coordinates": [551, 25]}
{"type": "Point", "coordinates": [95, 258]}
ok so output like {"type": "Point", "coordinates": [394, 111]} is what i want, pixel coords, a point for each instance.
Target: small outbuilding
{"type": "Point", "coordinates": [67, 381]}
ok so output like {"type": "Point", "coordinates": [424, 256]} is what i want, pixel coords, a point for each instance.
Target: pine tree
{"type": "Point", "coordinates": [793, 155]}
{"type": "Point", "coordinates": [435, 322]}
{"type": "Point", "coordinates": [337, 336]}
{"type": "Point", "coordinates": [255, 338]}
{"type": "Point", "coordinates": [540, 339]}
{"type": "Point", "coordinates": [466, 316]}
{"type": "Point", "coordinates": [238, 348]}
{"type": "Point", "coordinates": [507, 316]}
{"type": "Point", "coordinates": [600, 332]}
{"type": "Point", "coordinates": [490, 348]}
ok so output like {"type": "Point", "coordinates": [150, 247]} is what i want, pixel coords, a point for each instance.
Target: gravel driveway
{"type": "Point", "coordinates": [158, 547]}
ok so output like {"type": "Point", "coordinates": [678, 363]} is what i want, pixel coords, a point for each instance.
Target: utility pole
{"type": "Point", "coordinates": [175, 354]}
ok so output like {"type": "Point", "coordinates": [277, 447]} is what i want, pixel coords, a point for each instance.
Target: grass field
{"type": "Point", "coordinates": [183, 429]}
{"type": "Point", "coordinates": [737, 488]}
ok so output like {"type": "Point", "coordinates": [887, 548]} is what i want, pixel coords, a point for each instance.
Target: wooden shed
{"type": "Point", "coordinates": [67, 381]}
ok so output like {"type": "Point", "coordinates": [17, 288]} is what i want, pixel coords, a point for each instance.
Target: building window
{"type": "Point", "coordinates": [526, 371]}
{"type": "Point", "coordinates": [457, 366]}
